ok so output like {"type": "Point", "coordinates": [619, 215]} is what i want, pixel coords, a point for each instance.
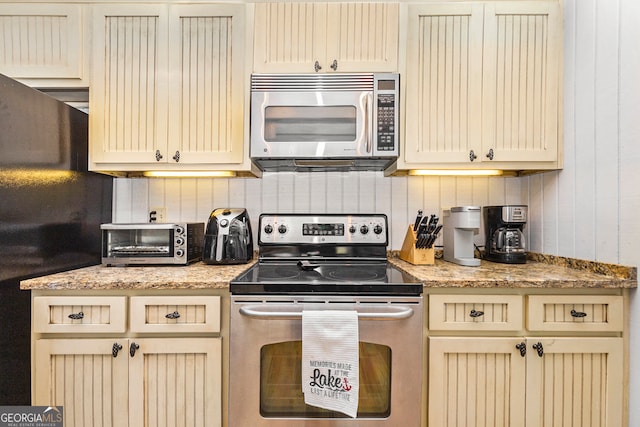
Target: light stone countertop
{"type": "Point", "coordinates": [541, 271]}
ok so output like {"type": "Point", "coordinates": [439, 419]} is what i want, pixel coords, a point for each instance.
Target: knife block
{"type": "Point", "coordinates": [413, 255]}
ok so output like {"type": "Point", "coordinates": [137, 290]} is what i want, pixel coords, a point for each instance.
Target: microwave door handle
{"type": "Point", "coordinates": [368, 117]}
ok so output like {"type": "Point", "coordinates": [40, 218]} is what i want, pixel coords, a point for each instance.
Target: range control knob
{"type": "Point", "coordinates": [377, 229]}
{"type": "Point", "coordinates": [364, 229]}
{"type": "Point", "coordinates": [268, 229]}
{"type": "Point", "coordinates": [282, 229]}
{"type": "Point", "coordinates": [352, 229]}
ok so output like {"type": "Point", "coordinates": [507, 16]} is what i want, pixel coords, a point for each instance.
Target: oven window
{"type": "Point", "coordinates": [310, 123]}
{"type": "Point", "coordinates": [138, 242]}
{"type": "Point", "coordinates": [281, 383]}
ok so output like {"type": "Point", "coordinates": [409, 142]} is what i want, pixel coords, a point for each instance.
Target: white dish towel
{"type": "Point", "coordinates": [330, 371]}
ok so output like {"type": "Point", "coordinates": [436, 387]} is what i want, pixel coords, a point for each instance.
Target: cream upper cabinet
{"type": "Point", "coordinates": [44, 45]}
{"type": "Point", "coordinates": [325, 37]}
{"type": "Point", "coordinates": [168, 88]}
{"type": "Point", "coordinates": [482, 85]}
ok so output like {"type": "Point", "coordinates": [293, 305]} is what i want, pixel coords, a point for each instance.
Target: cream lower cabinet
{"type": "Point", "coordinates": [300, 37]}
{"type": "Point", "coordinates": [482, 85]}
{"type": "Point", "coordinates": [168, 87]}
{"type": "Point", "coordinates": [155, 379]}
{"type": "Point", "coordinates": [530, 378]}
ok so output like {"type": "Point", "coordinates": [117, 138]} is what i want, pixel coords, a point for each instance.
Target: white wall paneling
{"type": "Point", "coordinates": [332, 192]}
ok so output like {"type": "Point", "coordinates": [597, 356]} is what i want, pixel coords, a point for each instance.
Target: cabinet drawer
{"type": "Point", "coordinates": [475, 312]}
{"type": "Point", "coordinates": [175, 314]}
{"type": "Point", "coordinates": [575, 313]}
{"type": "Point", "coordinates": [79, 314]}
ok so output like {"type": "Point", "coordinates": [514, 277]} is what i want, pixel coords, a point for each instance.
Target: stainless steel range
{"type": "Point", "coordinates": [324, 262]}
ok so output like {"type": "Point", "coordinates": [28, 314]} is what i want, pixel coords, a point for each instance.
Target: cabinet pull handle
{"type": "Point", "coordinates": [334, 65]}
{"type": "Point", "coordinates": [474, 313]}
{"type": "Point", "coordinates": [317, 66]}
{"type": "Point", "coordinates": [132, 349]}
{"type": "Point", "coordinates": [490, 154]}
{"type": "Point", "coordinates": [174, 315]}
{"type": "Point", "coordinates": [472, 156]}
{"type": "Point", "coordinates": [158, 155]}
{"type": "Point", "coordinates": [578, 314]}
{"type": "Point", "coordinates": [176, 156]}
{"type": "Point", "coordinates": [76, 316]}
{"type": "Point", "coordinates": [115, 349]}
{"type": "Point", "coordinates": [538, 347]}
{"type": "Point", "coordinates": [523, 349]}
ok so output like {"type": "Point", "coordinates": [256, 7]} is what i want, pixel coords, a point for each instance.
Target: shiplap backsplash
{"type": "Point", "coordinates": [331, 192]}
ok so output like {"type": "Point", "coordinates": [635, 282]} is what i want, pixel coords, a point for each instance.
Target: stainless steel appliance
{"type": "Point", "coordinates": [228, 239]}
{"type": "Point", "coordinates": [504, 237]}
{"type": "Point", "coordinates": [324, 262]}
{"type": "Point", "coordinates": [324, 122]}
{"type": "Point", "coordinates": [51, 209]}
{"type": "Point", "coordinates": [152, 243]}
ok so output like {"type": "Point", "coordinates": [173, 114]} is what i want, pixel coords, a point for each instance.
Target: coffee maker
{"type": "Point", "coordinates": [504, 239]}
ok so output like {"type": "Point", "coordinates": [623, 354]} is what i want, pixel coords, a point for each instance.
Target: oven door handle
{"type": "Point", "coordinates": [389, 313]}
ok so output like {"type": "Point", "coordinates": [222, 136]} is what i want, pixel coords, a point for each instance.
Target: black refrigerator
{"type": "Point", "coordinates": [51, 209]}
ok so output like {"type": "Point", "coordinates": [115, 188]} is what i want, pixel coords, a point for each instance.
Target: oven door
{"type": "Point", "coordinates": [331, 124]}
{"type": "Point", "coordinates": [265, 362]}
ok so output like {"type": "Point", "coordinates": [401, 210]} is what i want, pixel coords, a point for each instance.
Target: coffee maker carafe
{"type": "Point", "coordinates": [504, 239]}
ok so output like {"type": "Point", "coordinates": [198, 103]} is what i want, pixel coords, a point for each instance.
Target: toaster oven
{"type": "Point", "coordinates": [152, 243]}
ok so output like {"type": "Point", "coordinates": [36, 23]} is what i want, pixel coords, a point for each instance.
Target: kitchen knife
{"type": "Point", "coordinates": [433, 236]}
{"type": "Point", "coordinates": [416, 224]}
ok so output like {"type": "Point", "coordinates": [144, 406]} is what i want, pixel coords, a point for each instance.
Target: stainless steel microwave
{"type": "Point", "coordinates": [324, 121]}
{"type": "Point", "coordinates": [152, 243]}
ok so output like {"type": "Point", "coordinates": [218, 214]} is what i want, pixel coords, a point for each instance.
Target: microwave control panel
{"type": "Point", "coordinates": [386, 94]}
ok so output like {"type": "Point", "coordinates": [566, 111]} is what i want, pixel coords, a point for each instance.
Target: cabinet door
{"type": "Point", "coordinates": [521, 80]}
{"type": "Point", "coordinates": [476, 382]}
{"type": "Point", "coordinates": [176, 382]}
{"type": "Point", "coordinates": [207, 88]}
{"type": "Point", "coordinates": [361, 37]}
{"type": "Point", "coordinates": [83, 376]}
{"type": "Point", "coordinates": [575, 382]}
{"type": "Point", "coordinates": [128, 98]}
{"type": "Point", "coordinates": [443, 87]}
{"type": "Point", "coordinates": [42, 43]}
{"type": "Point", "coordinates": [289, 37]}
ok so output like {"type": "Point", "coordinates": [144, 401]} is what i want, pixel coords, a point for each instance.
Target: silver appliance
{"type": "Point", "coordinates": [152, 243]}
{"type": "Point", "coordinates": [461, 224]}
{"type": "Point", "coordinates": [504, 237]}
{"type": "Point", "coordinates": [305, 122]}
{"type": "Point", "coordinates": [228, 239]}
{"type": "Point", "coordinates": [324, 262]}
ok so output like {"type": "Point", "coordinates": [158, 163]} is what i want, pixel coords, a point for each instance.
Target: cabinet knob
{"type": "Point", "coordinates": [174, 315]}
{"type": "Point", "coordinates": [115, 349]}
{"type": "Point", "coordinates": [132, 349]}
{"type": "Point", "coordinates": [523, 349]}
{"type": "Point", "coordinates": [158, 155]}
{"type": "Point", "coordinates": [490, 154]}
{"type": "Point", "coordinates": [538, 347]}
{"type": "Point", "coordinates": [472, 156]}
{"type": "Point", "coordinates": [475, 314]}
{"type": "Point", "coordinates": [334, 65]}
{"type": "Point", "coordinates": [176, 156]}
{"type": "Point", "coordinates": [578, 314]}
{"type": "Point", "coordinates": [317, 66]}
{"type": "Point", "coordinates": [76, 316]}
